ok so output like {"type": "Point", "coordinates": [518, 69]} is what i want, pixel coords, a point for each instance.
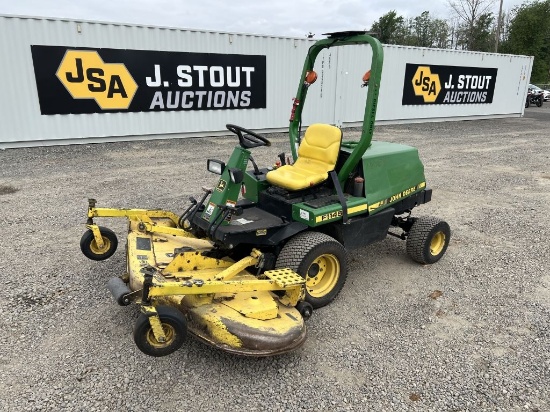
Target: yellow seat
{"type": "Point", "coordinates": [317, 156]}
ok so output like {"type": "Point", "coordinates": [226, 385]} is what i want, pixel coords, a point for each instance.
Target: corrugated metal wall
{"type": "Point", "coordinates": [508, 100]}
{"type": "Point", "coordinates": [336, 97]}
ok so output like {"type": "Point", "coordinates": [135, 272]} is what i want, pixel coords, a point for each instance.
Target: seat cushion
{"type": "Point", "coordinates": [293, 178]}
{"type": "Point", "coordinates": [317, 156]}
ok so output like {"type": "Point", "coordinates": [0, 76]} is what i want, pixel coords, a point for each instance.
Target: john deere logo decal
{"type": "Point", "coordinates": [74, 80]}
{"type": "Point", "coordinates": [431, 84]}
{"type": "Point", "coordinates": [86, 76]}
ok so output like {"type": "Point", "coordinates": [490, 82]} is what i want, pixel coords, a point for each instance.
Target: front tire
{"type": "Point", "coordinates": [92, 251]}
{"type": "Point", "coordinates": [428, 239]}
{"type": "Point", "coordinates": [174, 326]}
{"type": "Point", "coordinates": [321, 260]}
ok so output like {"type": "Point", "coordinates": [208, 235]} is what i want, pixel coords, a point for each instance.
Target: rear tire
{"type": "Point", "coordinates": [428, 239]}
{"type": "Point", "coordinates": [321, 260]}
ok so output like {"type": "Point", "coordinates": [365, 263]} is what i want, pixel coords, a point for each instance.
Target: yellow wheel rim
{"type": "Point", "coordinates": [169, 332]}
{"type": "Point", "coordinates": [100, 250]}
{"type": "Point", "coordinates": [322, 275]}
{"type": "Point", "coordinates": [437, 243]}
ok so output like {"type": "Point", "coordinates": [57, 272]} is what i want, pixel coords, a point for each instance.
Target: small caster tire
{"type": "Point", "coordinates": [174, 326]}
{"type": "Point", "coordinates": [89, 247]}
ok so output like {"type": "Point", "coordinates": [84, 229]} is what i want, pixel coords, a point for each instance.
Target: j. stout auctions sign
{"type": "Point", "coordinates": [83, 80]}
{"type": "Point", "coordinates": [430, 84]}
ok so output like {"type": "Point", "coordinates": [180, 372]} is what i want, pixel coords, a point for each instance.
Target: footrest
{"type": "Point", "coordinates": [285, 277]}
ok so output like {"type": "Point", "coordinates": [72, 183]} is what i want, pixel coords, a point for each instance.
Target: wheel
{"type": "Point", "coordinates": [89, 247]}
{"type": "Point", "coordinates": [321, 260]}
{"type": "Point", "coordinates": [174, 326]}
{"type": "Point", "coordinates": [527, 103]}
{"type": "Point", "coordinates": [539, 102]}
{"type": "Point", "coordinates": [428, 239]}
{"type": "Point", "coordinates": [305, 309]}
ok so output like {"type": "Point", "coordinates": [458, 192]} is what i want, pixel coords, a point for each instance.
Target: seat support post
{"type": "Point", "coordinates": [341, 196]}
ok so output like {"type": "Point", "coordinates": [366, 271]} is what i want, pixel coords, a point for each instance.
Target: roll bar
{"type": "Point", "coordinates": [342, 39]}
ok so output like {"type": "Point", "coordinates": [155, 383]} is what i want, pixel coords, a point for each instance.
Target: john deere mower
{"type": "Point", "coordinates": [248, 262]}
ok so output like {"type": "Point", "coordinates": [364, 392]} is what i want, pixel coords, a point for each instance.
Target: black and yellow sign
{"type": "Point", "coordinates": [431, 84]}
{"type": "Point", "coordinates": [83, 80]}
{"type": "Point", "coordinates": [86, 76]}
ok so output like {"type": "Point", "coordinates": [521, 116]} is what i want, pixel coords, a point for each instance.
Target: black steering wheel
{"type": "Point", "coordinates": [249, 139]}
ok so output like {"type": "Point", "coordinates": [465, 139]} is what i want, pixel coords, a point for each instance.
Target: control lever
{"type": "Point", "coordinates": [225, 213]}
{"type": "Point", "coordinates": [282, 158]}
{"type": "Point", "coordinates": [235, 210]}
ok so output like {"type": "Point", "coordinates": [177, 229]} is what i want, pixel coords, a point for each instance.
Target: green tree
{"type": "Point", "coordinates": [428, 32]}
{"type": "Point", "coordinates": [480, 36]}
{"type": "Point", "coordinates": [475, 20]}
{"type": "Point", "coordinates": [390, 28]}
{"type": "Point", "coordinates": [422, 31]}
{"type": "Point", "coordinates": [441, 34]}
{"type": "Point", "coordinates": [529, 34]}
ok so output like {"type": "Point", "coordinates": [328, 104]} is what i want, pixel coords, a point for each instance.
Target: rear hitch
{"type": "Point", "coordinates": [404, 223]}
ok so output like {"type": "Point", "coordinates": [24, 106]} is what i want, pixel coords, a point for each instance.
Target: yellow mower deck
{"type": "Point", "coordinates": [224, 305]}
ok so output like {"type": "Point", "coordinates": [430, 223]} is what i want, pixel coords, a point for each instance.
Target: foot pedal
{"type": "Point", "coordinates": [285, 277]}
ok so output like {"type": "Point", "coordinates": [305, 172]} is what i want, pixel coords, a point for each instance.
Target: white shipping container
{"type": "Point", "coordinates": [336, 98]}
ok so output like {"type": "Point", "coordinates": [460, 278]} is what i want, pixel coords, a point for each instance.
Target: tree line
{"type": "Point", "coordinates": [474, 26]}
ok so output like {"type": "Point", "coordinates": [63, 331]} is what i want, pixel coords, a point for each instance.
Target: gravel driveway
{"type": "Point", "coordinates": [470, 333]}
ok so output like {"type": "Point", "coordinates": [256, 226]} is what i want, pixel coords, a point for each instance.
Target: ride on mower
{"type": "Point", "coordinates": [248, 262]}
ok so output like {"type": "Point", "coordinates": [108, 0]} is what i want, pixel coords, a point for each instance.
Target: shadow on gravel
{"type": "Point", "coordinates": [7, 190]}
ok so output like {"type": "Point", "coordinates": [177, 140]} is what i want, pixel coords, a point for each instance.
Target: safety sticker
{"type": "Point", "coordinates": [209, 210]}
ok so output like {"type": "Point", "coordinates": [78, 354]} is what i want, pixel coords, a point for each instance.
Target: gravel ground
{"type": "Point", "coordinates": [470, 333]}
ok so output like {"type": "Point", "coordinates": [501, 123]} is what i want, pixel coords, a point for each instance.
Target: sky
{"type": "Point", "coordinates": [294, 18]}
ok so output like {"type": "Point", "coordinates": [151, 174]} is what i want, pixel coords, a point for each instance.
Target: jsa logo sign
{"type": "Point", "coordinates": [86, 76]}
{"type": "Point", "coordinates": [72, 80]}
{"type": "Point", "coordinates": [432, 84]}
{"type": "Point", "coordinates": [426, 84]}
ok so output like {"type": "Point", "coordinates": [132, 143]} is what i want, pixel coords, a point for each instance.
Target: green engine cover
{"type": "Point", "coordinates": [392, 172]}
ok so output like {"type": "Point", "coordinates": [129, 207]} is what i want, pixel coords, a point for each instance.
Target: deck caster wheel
{"type": "Point", "coordinates": [175, 328]}
{"type": "Point", "coordinates": [321, 260]}
{"type": "Point", "coordinates": [428, 239]}
{"type": "Point", "coordinates": [305, 309]}
{"type": "Point", "coordinates": [92, 251]}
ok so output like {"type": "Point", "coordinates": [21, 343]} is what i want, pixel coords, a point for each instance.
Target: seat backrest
{"type": "Point", "coordinates": [320, 145]}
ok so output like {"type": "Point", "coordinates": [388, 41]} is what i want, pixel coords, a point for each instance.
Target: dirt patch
{"type": "Point", "coordinates": [7, 190]}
